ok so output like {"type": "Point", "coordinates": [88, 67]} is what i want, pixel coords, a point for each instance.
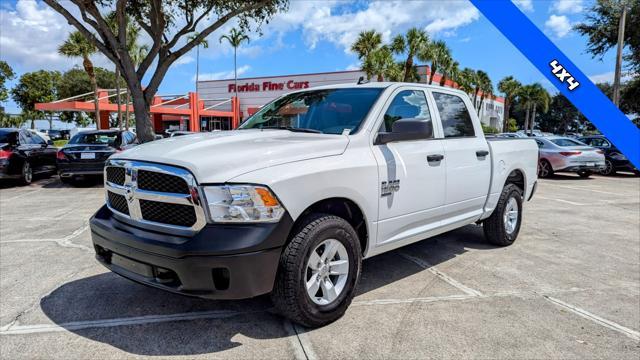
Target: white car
{"type": "Point", "coordinates": [308, 187]}
{"type": "Point", "coordinates": [563, 154]}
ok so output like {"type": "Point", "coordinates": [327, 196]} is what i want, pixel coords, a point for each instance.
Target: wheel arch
{"type": "Point", "coordinates": [341, 207]}
{"type": "Point", "coordinates": [518, 178]}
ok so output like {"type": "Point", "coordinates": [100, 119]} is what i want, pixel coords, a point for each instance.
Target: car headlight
{"type": "Point", "coordinates": [242, 203]}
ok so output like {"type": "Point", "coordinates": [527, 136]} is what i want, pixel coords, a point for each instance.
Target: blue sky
{"type": "Point", "coordinates": [314, 36]}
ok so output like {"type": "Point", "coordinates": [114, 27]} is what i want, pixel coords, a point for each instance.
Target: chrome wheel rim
{"type": "Point", "coordinates": [511, 216]}
{"type": "Point", "coordinates": [544, 171]}
{"type": "Point", "coordinates": [327, 272]}
{"type": "Point", "coordinates": [26, 170]}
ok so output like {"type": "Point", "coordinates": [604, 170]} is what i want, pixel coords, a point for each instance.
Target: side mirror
{"type": "Point", "coordinates": [405, 130]}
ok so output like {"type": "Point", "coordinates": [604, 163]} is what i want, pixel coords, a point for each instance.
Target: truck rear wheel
{"type": "Point", "coordinates": [503, 226]}
{"type": "Point", "coordinates": [318, 271]}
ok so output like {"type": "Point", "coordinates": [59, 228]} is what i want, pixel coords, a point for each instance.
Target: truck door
{"type": "Point", "coordinates": [411, 173]}
{"type": "Point", "coordinates": [468, 163]}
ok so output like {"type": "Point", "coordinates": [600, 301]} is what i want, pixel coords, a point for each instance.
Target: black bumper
{"type": "Point", "coordinates": [66, 169]}
{"type": "Point", "coordinates": [219, 262]}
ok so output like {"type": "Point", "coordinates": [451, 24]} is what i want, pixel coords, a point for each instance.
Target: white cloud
{"type": "Point", "coordinates": [354, 66]}
{"type": "Point", "coordinates": [567, 6]}
{"type": "Point", "coordinates": [222, 75]}
{"type": "Point", "coordinates": [184, 59]}
{"type": "Point", "coordinates": [339, 24]}
{"type": "Point", "coordinates": [30, 36]}
{"type": "Point", "coordinates": [525, 5]}
{"type": "Point", "coordinates": [559, 25]}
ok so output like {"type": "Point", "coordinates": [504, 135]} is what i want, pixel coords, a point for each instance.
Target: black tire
{"type": "Point", "coordinates": [26, 174]}
{"type": "Point", "coordinates": [609, 168]}
{"type": "Point", "coordinates": [584, 174]}
{"type": "Point", "coordinates": [494, 227]}
{"type": "Point", "coordinates": [545, 170]}
{"type": "Point", "coordinates": [289, 294]}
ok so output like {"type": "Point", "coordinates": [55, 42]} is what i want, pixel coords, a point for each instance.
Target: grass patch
{"type": "Point", "coordinates": [60, 143]}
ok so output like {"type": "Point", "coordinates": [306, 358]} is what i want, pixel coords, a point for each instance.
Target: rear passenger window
{"type": "Point", "coordinates": [408, 104]}
{"type": "Point", "coordinates": [454, 114]}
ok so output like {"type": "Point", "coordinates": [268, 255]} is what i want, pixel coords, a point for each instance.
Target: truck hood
{"type": "Point", "coordinates": [220, 156]}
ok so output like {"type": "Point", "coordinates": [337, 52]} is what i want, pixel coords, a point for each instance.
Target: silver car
{"type": "Point", "coordinates": [562, 154]}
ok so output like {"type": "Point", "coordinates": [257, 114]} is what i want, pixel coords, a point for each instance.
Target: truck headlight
{"type": "Point", "coordinates": [242, 203]}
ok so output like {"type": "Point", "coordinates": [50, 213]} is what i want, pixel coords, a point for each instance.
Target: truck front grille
{"type": "Point", "coordinates": [115, 175]}
{"type": "Point", "coordinates": [118, 202]}
{"type": "Point", "coordinates": [154, 181]}
{"type": "Point", "coordinates": [155, 196]}
{"type": "Point", "coordinates": [174, 214]}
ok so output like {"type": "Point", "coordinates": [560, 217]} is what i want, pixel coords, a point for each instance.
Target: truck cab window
{"type": "Point", "coordinates": [454, 114]}
{"type": "Point", "coordinates": [407, 104]}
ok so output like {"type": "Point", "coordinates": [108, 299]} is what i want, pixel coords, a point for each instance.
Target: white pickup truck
{"type": "Point", "coordinates": [309, 186]}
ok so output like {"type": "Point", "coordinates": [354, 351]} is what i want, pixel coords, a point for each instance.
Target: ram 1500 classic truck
{"type": "Point", "coordinates": [309, 186]}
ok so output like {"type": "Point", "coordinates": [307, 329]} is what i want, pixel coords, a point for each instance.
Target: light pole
{"type": "Point", "coordinates": [617, 75]}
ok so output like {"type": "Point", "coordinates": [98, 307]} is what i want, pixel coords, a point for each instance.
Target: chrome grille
{"type": "Point", "coordinates": [115, 175]}
{"type": "Point", "coordinates": [154, 181]}
{"type": "Point", "coordinates": [155, 196]}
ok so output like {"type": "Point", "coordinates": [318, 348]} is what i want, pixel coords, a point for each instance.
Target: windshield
{"type": "Point", "coordinates": [328, 111]}
{"type": "Point", "coordinates": [107, 138]}
{"type": "Point", "coordinates": [564, 142]}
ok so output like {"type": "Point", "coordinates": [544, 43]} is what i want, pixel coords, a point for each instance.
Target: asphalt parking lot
{"type": "Point", "coordinates": [568, 288]}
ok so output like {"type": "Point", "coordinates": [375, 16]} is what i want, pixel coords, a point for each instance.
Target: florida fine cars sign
{"type": "Point", "coordinates": [269, 86]}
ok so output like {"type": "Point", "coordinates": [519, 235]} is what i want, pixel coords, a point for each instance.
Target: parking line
{"type": "Point", "coordinates": [137, 320]}
{"type": "Point", "coordinates": [562, 201]}
{"type": "Point", "coordinates": [595, 318]}
{"type": "Point", "coordinates": [585, 188]}
{"type": "Point", "coordinates": [451, 281]}
{"type": "Point", "coordinates": [64, 242]}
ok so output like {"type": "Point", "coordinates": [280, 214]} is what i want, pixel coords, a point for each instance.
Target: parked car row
{"type": "Point", "coordinates": [25, 153]}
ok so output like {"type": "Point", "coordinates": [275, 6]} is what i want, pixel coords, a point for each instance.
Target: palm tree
{"type": "Point", "coordinates": [205, 44]}
{"type": "Point", "coordinates": [445, 65]}
{"type": "Point", "coordinates": [540, 97]}
{"type": "Point", "coordinates": [367, 42]}
{"type": "Point", "coordinates": [480, 82]}
{"type": "Point", "coordinates": [411, 44]}
{"type": "Point", "coordinates": [466, 80]}
{"type": "Point", "coordinates": [526, 97]}
{"type": "Point", "coordinates": [437, 52]}
{"type": "Point", "coordinates": [486, 87]}
{"type": "Point", "coordinates": [509, 86]}
{"type": "Point", "coordinates": [235, 38]}
{"type": "Point", "coordinates": [77, 45]}
{"type": "Point", "coordinates": [380, 63]}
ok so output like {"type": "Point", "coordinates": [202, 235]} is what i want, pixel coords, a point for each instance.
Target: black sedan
{"type": "Point", "coordinates": [24, 154]}
{"type": "Point", "coordinates": [87, 151]}
{"type": "Point", "coordinates": [614, 159]}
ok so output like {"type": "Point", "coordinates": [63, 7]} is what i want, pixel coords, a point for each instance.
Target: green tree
{"type": "Point", "coordinates": [562, 117]}
{"type": "Point", "coordinates": [76, 81]}
{"type": "Point", "coordinates": [380, 63]}
{"type": "Point", "coordinates": [167, 24]}
{"type": "Point", "coordinates": [467, 81]}
{"type": "Point", "coordinates": [410, 45]}
{"type": "Point", "coordinates": [540, 101]}
{"type": "Point", "coordinates": [235, 39]}
{"type": "Point", "coordinates": [35, 87]}
{"type": "Point", "coordinates": [205, 44]}
{"type": "Point", "coordinates": [438, 53]}
{"type": "Point", "coordinates": [367, 42]}
{"type": "Point", "coordinates": [452, 71]}
{"type": "Point", "coordinates": [77, 45]}
{"type": "Point", "coordinates": [509, 86]}
{"type": "Point", "coordinates": [6, 73]}
{"type": "Point", "coordinates": [484, 88]}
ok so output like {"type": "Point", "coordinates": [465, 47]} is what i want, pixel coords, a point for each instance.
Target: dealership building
{"type": "Point", "coordinates": [253, 93]}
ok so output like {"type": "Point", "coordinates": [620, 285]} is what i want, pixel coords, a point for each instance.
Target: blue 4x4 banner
{"type": "Point", "coordinates": [564, 75]}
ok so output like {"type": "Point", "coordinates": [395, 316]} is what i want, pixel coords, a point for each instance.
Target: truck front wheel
{"type": "Point", "coordinates": [502, 227]}
{"type": "Point", "coordinates": [318, 271]}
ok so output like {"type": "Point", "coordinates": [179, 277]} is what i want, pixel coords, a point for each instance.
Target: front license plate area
{"type": "Point", "coordinates": [131, 265]}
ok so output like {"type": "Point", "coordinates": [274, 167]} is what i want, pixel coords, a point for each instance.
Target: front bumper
{"type": "Point", "coordinates": [221, 261]}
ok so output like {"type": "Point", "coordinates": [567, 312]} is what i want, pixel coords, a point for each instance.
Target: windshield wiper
{"type": "Point", "coordinates": [293, 129]}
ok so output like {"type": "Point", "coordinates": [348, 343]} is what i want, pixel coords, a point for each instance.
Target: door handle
{"type": "Point", "coordinates": [434, 158]}
{"type": "Point", "coordinates": [482, 153]}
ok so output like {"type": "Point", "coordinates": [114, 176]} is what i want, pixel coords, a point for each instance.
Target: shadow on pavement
{"type": "Point", "coordinates": [108, 296]}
